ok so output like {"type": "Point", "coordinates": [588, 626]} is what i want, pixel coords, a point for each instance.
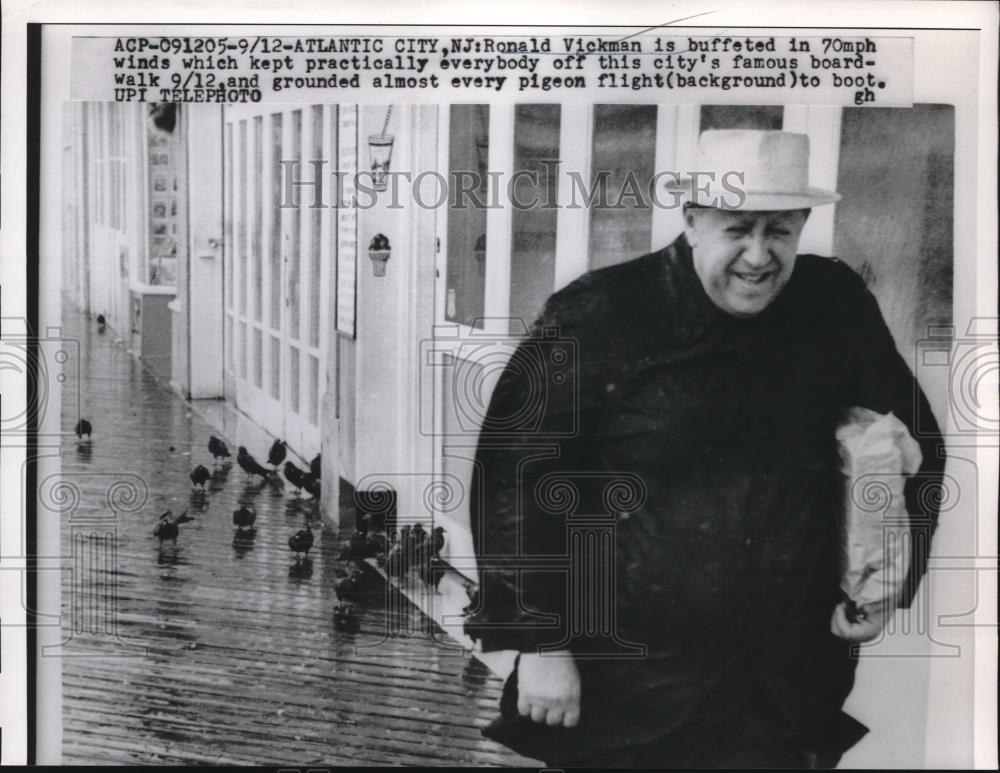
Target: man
{"type": "Point", "coordinates": [707, 379]}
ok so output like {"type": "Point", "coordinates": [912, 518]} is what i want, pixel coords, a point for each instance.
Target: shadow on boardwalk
{"type": "Point", "coordinates": [222, 650]}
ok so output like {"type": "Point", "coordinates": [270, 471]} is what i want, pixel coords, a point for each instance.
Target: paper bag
{"type": "Point", "coordinates": [878, 453]}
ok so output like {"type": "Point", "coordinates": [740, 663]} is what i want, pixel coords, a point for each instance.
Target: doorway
{"type": "Point", "coordinates": [278, 248]}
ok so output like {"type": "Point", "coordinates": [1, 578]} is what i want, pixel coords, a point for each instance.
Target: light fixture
{"type": "Point", "coordinates": [379, 252]}
{"type": "Point", "coordinates": [380, 154]}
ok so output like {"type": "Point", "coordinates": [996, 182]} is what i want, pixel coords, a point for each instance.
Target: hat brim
{"type": "Point", "coordinates": [774, 201]}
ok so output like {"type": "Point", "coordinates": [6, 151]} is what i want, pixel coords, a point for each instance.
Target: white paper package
{"type": "Point", "coordinates": [878, 453]}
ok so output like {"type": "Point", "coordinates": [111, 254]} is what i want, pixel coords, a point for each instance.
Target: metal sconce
{"type": "Point", "coordinates": [380, 154]}
{"type": "Point", "coordinates": [379, 252]}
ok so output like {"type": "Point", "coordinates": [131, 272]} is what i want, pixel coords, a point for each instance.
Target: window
{"type": "Point", "coordinates": [742, 117]}
{"type": "Point", "coordinates": [534, 192]}
{"type": "Point", "coordinates": [468, 154]}
{"type": "Point", "coordinates": [624, 154]}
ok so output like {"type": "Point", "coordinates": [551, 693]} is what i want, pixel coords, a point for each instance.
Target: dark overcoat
{"type": "Point", "coordinates": [657, 488]}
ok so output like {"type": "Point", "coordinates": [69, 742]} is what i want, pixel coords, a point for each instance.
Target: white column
{"type": "Point", "coordinates": [676, 145]}
{"type": "Point", "coordinates": [822, 124]}
{"type": "Point", "coordinates": [499, 221]}
{"type": "Point", "coordinates": [576, 127]}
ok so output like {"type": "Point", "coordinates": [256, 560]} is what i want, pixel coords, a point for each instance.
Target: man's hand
{"type": "Point", "coordinates": [869, 624]}
{"type": "Point", "coordinates": [548, 688]}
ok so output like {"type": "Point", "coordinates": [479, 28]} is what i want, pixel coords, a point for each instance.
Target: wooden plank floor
{"type": "Point", "coordinates": [223, 651]}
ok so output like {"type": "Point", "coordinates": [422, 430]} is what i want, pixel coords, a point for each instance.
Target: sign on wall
{"type": "Point", "coordinates": [163, 218]}
{"type": "Point", "coordinates": [347, 222]}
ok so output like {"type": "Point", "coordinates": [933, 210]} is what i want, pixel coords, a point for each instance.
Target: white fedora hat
{"type": "Point", "coordinates": [751, 169]}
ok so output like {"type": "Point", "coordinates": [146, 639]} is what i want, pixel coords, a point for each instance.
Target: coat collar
{"type": "Point", "coordinates": [692, 314]}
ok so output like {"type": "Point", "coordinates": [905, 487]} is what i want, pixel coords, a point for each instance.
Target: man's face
{"type": "Point", "coordinates": [743, 258]}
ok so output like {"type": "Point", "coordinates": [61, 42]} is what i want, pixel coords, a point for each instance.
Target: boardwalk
{"type": "Point", "coordinates": [222, 650]}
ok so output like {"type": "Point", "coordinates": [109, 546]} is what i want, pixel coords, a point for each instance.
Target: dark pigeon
{"type": "Point", "coordinates": [437, 540]}
{"type": "Point", "coordinates": [200, 476]}
{"type": "Point", "coordinates": [218, 449]}
{"type": "Point", "coordinates": [301, 542]}
{"type": "Point", "coordinates": [244, 517]}
{"type": "Point", "coordinates": [376, 543]}
{"type": "Point", "coordinates": [83, 428]}
{"type": "Point", "coordinates": [396, 562]}
{"type": "Point", "coordinates": [295, 476]}
{"type": "Point", "coordinates": [167, 528]}
{"type": "Point", "coordinates": [418, 540]}
{"type": "Point", "coordinates": [358, 547]}
{"type": "Point", "coordinates": [250, 465]}
{"type": "Point", "coordinates": [277, 453]}
{"type": "Point", "coordinates": [350, 588]}
{"type": "Point", "coordinates": [432, 570]}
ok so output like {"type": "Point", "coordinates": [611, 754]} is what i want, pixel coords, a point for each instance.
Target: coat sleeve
{"type": "Point", "coordinates": [535, 428]}
{"type": "Point", "coordinates": [883, 382]}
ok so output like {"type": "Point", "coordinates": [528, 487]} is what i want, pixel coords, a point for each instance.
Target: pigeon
{"type": "Point", "coordinates": [411, 550]}
{"type": "Point", "coordinates": [311, 485]}
{"type": "Point", "coordinates": [376, 543]}
{"type": "Point", "coordinates": [418, 536]}
{"type": "Point", "coordinates": [277, 453]}
{"type": "Point", "coordinates": [437, 540]}
{"type": "Point", "coordinates": [427, 557]}
{"type": "Point", "coordinates": [350, 588]}
{"type": "Point", "coordinates": [301, 542]}
{"type": "Point", "coordinates": [432, 570]}
{"type": "Point", "coordinates": [101, 323]}
{"type": "Point", "coordinates": [167, 528]}
{"type": "Point", "coordinates": [396, 561]}
{"type": "Point", "coordinates": [300, 479]}
{"type": "Point", "coordinates": [250, 465]}
{"type": "Point", "coordinates": [218, 449]}
{"type": "Point", "coordinates": [200, 476]}
{"type": "Point", "coordinates": [345, 617]}
{"type": "Point", "coordinates": [314, 466]}
{"type": "Point", "coordinates": [243, 517]}
{"type": "Point", "coordinates": [295, 476]}
{"type": "Point", "coordinates": [83, 428]}
{"type": "Point", "coordinates": [358, 547]}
